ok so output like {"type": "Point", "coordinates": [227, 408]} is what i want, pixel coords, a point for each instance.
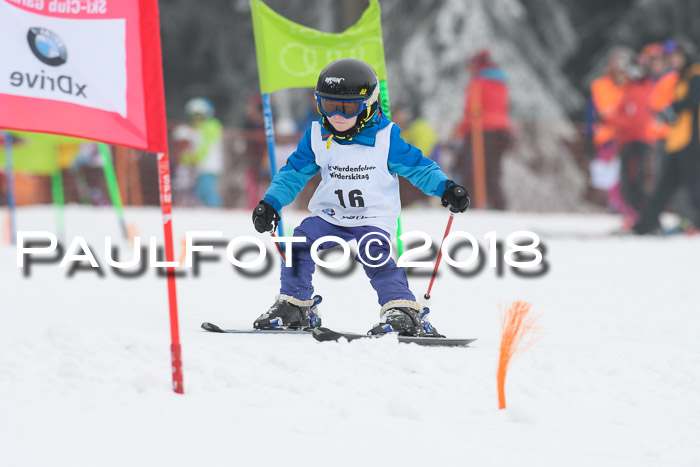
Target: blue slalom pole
{"type": "Point", "coordinates": [270, 136]}
{"type": "Point", "coordinates": [11, 188]}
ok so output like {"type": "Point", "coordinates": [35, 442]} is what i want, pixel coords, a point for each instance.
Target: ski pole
{"type": "Point", "coordinates": [279, 247]}
{"type": "Point", "coordinates": [260, 211]}
{"type": "Point", "coordinates": [459, 192]}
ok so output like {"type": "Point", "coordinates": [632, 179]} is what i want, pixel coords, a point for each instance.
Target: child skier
{"type": "Point", "coordinates": [359, 153]}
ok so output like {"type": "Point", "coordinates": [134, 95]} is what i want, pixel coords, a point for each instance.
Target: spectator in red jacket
{"type": "Point", "coordinates": [632, 121]}
{"type": "Point", "coordinates": [487, 97]}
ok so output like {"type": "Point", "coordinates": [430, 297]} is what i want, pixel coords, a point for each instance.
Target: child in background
{"type": "Point", "coordinates": [201, 151]}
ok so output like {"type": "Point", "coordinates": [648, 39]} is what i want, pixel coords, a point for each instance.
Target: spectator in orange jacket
{"type": "Point", "coordinates": [606, 95]}
{"type": "Point", "coordinates": [663, 80]}
{"type": "Point", "coordinates": [487, 97]}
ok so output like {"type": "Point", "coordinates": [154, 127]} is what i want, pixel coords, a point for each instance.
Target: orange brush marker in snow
{"type": "Point", "coordinates": [516, 324]}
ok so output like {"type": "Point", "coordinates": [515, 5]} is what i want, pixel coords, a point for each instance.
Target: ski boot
{"type": "Point", "coordinates": [286, 313]}
{"type": "Point", "coordinates": [405, 317]}
{"type": "Point", "coordinates": [291, 313]}
{"type": "Point", "coordinates": [314, 312]}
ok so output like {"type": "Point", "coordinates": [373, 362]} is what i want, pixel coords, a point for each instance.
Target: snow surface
{"type": "Point", "coordinates": [614, 379]}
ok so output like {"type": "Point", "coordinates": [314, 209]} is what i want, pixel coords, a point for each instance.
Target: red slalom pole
{"type": "Point", "coordinates": [166, 209]}
{"type": "Point", "coordinates": [437, 263]}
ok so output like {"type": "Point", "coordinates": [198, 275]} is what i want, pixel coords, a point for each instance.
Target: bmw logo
{"type": "Point", "coordinates": [47, 46]}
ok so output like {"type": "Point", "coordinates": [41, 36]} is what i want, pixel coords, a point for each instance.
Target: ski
{"type": "Point", "coordinates": [315, 321]}
{"type": "Point", "coordinates": [325, 335]}
{"type": "Point", "coordinates": [211, 327]}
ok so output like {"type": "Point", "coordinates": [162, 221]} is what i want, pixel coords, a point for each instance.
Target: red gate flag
{"type": "Point", "coordinates": [85, 68]}
{"type": "Point", "coordinates": [91, 69]}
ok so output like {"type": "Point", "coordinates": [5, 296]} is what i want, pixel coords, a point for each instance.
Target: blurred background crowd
{"type": "Point", "coordinates": [544, 105]}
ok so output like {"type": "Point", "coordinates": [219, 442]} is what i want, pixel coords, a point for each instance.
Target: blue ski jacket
{"type": "Point", "coordinates": [404, 159]}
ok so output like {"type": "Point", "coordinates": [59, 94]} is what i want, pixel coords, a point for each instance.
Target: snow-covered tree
{"type": "Point", "coordinates": [531, 44]}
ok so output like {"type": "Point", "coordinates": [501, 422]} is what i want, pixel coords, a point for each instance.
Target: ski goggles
{"type": "Point", "coordinates": [347, 108]}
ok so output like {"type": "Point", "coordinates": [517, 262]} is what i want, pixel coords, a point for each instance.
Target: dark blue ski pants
{"type": "Point", "coordinates": [388, 280]}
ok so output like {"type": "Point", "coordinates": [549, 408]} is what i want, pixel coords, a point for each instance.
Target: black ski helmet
{"type": "Point", "coordinates": [347, 78]}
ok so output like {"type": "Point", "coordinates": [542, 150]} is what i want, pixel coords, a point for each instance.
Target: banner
{"type": "Point", "coordinates": [41, 154]}
{"type": "Point", "coordinates": [85, 68]}
{"type": "Point", "coordinates": [292, 56]}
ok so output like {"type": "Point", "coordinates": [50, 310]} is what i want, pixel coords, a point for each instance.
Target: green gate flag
{"type": "Point", "coordinates": [292, 56]}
